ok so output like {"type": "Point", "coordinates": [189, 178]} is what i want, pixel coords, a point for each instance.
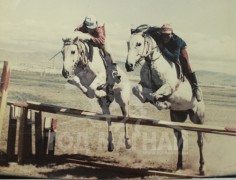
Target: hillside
{"type": "Point", "coordinates": [215, 78]}
{"type": "Point", "coordinates": [204, 77]}
{"type": "Point", "coordinates": [39, 62]}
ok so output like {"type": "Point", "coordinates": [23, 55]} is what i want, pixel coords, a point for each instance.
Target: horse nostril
{"type": "Point", "coordinates": [65, 73]}
{"type": "Point", "coordinates": [129, 67]}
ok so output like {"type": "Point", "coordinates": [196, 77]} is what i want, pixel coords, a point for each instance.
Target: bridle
{"type": "Point", "coordinates": [148, 54]}
{"type": "Point", "coordinates": [82, 60]}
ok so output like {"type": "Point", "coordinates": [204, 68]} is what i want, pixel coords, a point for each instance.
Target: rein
{"type": "Point", "coordinates": [56, 54]}
{"type": "Point", "coordinates": [81, 54]}
{"type": "Point", "coordinates": [149, 52]}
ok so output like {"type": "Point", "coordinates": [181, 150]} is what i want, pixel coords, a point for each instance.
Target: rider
{"type": "Point", "coordinates": [174, 48]}
{"type": "Point", "coordinates": [90, 26]}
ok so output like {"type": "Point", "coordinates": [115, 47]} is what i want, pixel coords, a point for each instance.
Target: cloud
{"type": "Point", "coordinates": [212, 53]}
{"type": "Point", "coordinates": [212, 47]}
{"type": "Point", "coordinates": [39, 36]}
{"type": "Point", "coordinates": [118, 37]}
{"type": "Point", "coordinates": [30, 36]}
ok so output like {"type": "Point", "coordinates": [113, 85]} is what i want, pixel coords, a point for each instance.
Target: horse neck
{"type": "Point", "coordinates": [83, 52]}
{"type": "Point", "coordinates": [154, 53]}
{"type": "Point", "coordinates": [96, 64]}
{"type": "Point", "coordinates": [160, 63]}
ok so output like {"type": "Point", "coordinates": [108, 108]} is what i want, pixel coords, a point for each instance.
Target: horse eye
{"type": "Point", "coordinates": [138, 44]}
{"type": "Point", "coordinates": [72, 52]}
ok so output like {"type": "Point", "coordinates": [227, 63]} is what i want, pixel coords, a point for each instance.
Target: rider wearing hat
{"type": "Point", "coordinates": [90, 26]}
{"type": "Point", "coordinates": [174, 49]}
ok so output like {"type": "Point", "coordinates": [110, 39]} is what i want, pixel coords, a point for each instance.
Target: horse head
{"type": "Point", "coordinates": [140, 46]}
{"type": "Point", "coordinates": [72, 52]}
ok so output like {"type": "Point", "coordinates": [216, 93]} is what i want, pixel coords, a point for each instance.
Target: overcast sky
{"type": "Point", "coordinates": [207, 26]}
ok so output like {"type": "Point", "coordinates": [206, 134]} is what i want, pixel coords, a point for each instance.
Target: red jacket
{"type": "Point", "coordinates": [98, 37]}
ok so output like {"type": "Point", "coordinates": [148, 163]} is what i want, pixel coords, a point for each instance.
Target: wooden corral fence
{"type": "Point", "coordinates": [4, 91]}
{"type": "Point", "coordinates": [45, 132]}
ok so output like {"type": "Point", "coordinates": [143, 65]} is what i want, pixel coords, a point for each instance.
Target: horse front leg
{"type": "Point", "coordinates": [147, 95]}
{"type": "Point", "coordinates": [76, 81]}
{"type": "Point", "coordinates": [200, 145]}
{"type": "Point", "coordinates": [163, 91]}
{"type": "Point", "coordinates": [143, 94]}
{"type": "Point", "coordinates": [92, 89]}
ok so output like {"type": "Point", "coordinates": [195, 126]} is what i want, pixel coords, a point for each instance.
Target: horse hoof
{"type": "Point", "coordinates": [71, 81]}
{"type": "Point", "coordinates": [110, 147]}
{"type": "Point", "coordinates": [179, 167]}
{"type": "Point", "coordinates": [202, 172]}
{"type": "Point", "coordinates": [161, 106]}
{"type": "Point", "coordinates": [127, 144]}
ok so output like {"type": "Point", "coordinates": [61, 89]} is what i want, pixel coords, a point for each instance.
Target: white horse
{"type": "Point", "coordinates": [85, 68]}
{"type": "Point", "coordinates": [161, 86]}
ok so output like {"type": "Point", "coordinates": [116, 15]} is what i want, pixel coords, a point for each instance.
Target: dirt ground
{"type": "Point", "coordinates": [152, 147]}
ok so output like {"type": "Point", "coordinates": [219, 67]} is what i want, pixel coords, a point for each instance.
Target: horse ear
{"type": "Point", "coordinates": [141, 28]}
{"type": "Point", "coordinates": [128, 44]}
{"type": "Point", "coordinates": [132, 30]}
{"type": "Point", "coordinates": [75, 40]}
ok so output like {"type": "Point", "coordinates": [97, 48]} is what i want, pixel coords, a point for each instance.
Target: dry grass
{"type": "Point", "coordinates": [151, 147]}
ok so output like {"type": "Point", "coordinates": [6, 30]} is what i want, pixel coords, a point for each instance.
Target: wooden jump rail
{"type": "Point", "coordinates": [120, 119]}
{"type": "Point", "coordinates": [45, 138]}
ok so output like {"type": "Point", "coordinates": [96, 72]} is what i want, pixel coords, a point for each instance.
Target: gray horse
{"type": "Point", "coordinates": [84, 66]}
{"type": "Point", "coordinates": [161, 87]}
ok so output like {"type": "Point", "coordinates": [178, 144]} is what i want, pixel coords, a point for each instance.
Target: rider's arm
{"type": "Point", "coordinates": [171, 55]}
{"type": "Point", "coordinates": [81, 28]}
{"type": "Point", "coordinates": [99, 39]}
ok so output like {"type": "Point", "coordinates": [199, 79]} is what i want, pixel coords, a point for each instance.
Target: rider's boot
{"type": "Point", "coordinates": [195, 88]}
{"type": "Point", "coordinates": [115, 73]}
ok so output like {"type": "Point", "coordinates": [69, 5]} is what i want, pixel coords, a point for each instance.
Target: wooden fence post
{"type": "Point", "coordinates": [29, 133]}
{"type": "Point", "coordinates": [25, 133]}
{"type": "Point", "coordinates": [52, 139]}
{"type": "Point", "coordinates": [3, 92]}
{"type": "Point", "coordinates": [11, 140]}
{"type": "Point", "coordinates": [49, 135]}
{"type": "Point", "coordinates": [38, 137]}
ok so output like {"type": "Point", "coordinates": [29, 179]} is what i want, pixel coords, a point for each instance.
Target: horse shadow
{"type": "Point", "coordinates": [91, 167]}
{"type": "Point", "coordinates": [3, 159]}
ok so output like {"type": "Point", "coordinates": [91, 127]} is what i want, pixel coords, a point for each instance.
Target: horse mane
{"type": "Point", "coordinates": [150, 30]}
{"type": "Point", "coordinates": [141, 28]}
{"type": "Point", "coordinates": [68, 41]}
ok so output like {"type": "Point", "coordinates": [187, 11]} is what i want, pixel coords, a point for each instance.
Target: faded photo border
{"type": "Point", "coordinates": [31, 33]}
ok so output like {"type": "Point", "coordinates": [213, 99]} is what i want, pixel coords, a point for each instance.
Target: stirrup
{"type": "Point", "coordinates": [116, 77]}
